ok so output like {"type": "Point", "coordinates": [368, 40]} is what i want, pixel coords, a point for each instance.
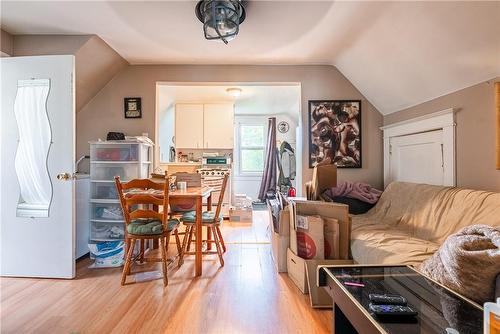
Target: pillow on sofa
{"type": "Point", "coordinates": [468, 262]}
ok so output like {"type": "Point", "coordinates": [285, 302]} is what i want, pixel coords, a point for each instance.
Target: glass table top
{"type": "Point", "coordinates": [439, 310]}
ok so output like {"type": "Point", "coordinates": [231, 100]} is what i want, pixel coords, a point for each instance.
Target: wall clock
{"type": "Point", "coordinates": [283, 127]}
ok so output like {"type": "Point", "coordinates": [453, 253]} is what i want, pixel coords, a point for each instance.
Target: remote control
{"type": "Point", "coordinates": [392, 310]}
{"type": "Point", "coordinates": [387, 299]}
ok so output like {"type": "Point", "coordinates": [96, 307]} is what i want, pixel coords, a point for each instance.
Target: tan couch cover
{"type": "Point", "coordinates": [411, 221]}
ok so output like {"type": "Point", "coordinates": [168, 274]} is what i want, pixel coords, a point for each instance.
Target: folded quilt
{"type": "Point", "coordinates": [358, 190]}
{"type": "Point", "coordinates": [468, 262]}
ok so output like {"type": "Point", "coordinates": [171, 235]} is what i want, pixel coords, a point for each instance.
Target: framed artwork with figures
{"type": "Point", "coordinates": [132, 107]}
{"type": "Point", "coordinates": [335, 132]}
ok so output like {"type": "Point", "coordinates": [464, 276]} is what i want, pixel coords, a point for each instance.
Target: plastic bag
{"type": "Point", "coordinates": [107, 254]}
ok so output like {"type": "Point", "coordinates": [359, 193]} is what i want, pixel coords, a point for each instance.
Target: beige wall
{"type": "Point", "coordinates": [95, 61]}
{"type": "Point", "coordinates": [6, 42]}
{"type": "Point", "coordinates": [96, 64]}
{"type": "Point", "coordinates": [475, 132]}
{"type": "Point", "coordinates": [104, 112]}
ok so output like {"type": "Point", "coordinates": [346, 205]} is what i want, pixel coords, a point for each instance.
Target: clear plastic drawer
{"type": "Point", "coordinates": [107, 171]}
{"type": "Point", "coordinates": [114, 152]}
{"type": "Point", "coordinates": [106, 211]}
{"type": "Point", "coordinates": [104, 231]}
{"type": "Point", "coordinates": [104, 190]}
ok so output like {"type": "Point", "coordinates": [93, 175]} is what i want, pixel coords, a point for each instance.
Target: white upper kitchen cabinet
{"type": "Point", "coordinates": [189, 125]}
{"type": "Point", "coordinates": [218, 129]}
{"type": "Point", "coordinates": [204, 125]}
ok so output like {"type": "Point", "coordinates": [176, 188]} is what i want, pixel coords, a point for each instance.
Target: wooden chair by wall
{"type": "Point", "coordinates": [138, 199]}
{"type": "Point", "coordinates": [212, 221]}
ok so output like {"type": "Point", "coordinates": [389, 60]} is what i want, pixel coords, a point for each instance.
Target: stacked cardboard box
{"type": "Point", "coordinates": [303, 272]}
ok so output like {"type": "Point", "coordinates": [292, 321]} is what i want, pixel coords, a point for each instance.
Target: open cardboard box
{"type": "Point", "coordinates": [324, 209]}
{"type": "Point", "coordinates": [304, 274]}
{"type": "Point", "coordinates": [281, 241]}
{"type": "Point", "coordinates": [324, 178]}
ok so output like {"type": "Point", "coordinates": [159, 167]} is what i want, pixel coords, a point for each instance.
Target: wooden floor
{"type": "Point", "coordinates": [245, 296]}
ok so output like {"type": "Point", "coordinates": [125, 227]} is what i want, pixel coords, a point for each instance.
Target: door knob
{"type": "Point", "coordinates": [64, 176]}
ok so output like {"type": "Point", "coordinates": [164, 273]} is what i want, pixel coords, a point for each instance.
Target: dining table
{"type": "Point", "coordinates": [197, 195]}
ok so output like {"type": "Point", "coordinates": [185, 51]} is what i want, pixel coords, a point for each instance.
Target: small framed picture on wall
{"type": "Point", "coordinates": [132, 107]}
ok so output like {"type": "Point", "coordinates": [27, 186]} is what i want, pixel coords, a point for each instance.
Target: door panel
{"type": "Point", "coordinates": [38, 245]}
{"type": "Point", "coordinates": [218, 125]}
{"type": "Point", "coordinates": [188, 125]}
{"type": "Point", "coordinates": [417, 158]}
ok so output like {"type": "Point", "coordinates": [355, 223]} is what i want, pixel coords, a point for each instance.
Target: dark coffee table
{"type": "Point", "coordinates": [440, 310]}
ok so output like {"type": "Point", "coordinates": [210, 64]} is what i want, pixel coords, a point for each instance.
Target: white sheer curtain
{"type": "Point", "coordinates": [33, 148]}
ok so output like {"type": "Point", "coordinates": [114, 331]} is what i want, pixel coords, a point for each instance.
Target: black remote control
{"type": "Point", "coordinates": [387, 311]}
{"type": "Point", "coordinates": [387, 299]}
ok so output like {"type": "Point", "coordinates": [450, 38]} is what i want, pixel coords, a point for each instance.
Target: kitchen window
{"type": "Point", "coordinates": [251, 148]}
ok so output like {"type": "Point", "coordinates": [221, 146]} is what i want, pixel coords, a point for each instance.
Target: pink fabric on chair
{"type": "Point", "coordinates": [358, 190]}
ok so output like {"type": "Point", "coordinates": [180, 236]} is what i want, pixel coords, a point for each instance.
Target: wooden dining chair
{"type": "Point", "coordinates": [138, 199]}
{"type": "Point", "coordinates": [212, 221]}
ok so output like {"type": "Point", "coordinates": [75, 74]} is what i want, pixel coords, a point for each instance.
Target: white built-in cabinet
{"type": "Point", "coordinates": [204, 125]}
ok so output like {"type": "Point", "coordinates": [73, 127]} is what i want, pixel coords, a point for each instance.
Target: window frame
{"type": "Point", "coordinates": [239, 148]}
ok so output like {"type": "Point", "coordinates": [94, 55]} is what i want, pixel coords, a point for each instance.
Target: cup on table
{"type": "Point", "coordinates": [182, 185]}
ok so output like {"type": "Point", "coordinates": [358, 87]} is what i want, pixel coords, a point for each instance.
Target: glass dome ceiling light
{"type": "Point", "coordinates": [221, 18]}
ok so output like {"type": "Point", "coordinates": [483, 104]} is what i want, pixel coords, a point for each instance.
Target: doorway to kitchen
{"type": "Point", "coordinates": [218, 128]}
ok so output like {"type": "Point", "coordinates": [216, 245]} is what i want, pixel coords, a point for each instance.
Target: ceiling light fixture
{"type": "Point", "coordinates": [221, 18]}
{"type": "Point", "coordinates": [234, 92]}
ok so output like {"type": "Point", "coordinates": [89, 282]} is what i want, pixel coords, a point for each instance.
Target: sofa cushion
{"type": "Point", "coordinates": [373, 243]}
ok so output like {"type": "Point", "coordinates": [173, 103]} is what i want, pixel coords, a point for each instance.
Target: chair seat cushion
{"type": "Point", "coordinates": [150, 226]}
{"type": "Point", "coordinates": [207, 217]}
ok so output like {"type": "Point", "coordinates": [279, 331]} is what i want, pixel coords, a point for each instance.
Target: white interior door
{"type": "Point", "coordinates": [188, 125]}
{"type": "Point", "coordinates": [417, 158]}
{"type": "Point", "coordinates": [37, 221]}
{"type": "Point", "coordinates": [218, 128]}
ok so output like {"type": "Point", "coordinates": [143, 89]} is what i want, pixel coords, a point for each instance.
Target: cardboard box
{"type": "Point", "coordinates": [192, 179]}
{"type": "Point", "coordinates": [243, 215]}
{"type": "Point", "coordinates": [325, 210]}
{"type": "Point", "coordinates": [331, 231]}
{"type": "Point", "coordinates": [281, 241]}
{"type": "Point", "coordinates": [310, 237]}
{"type": "Point", "coordinates": [304, 274]}
{"type": "Point", "coordinates": [324, 178]}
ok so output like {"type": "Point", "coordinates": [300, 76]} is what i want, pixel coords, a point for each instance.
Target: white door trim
{"type": "Point", "coordinates": [445, 120]}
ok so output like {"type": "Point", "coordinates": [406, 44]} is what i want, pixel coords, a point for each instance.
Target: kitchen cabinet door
{"type": "Point", "coordinates": [188, 125]}
{"type": "Point", "coordinates": [218, 125]}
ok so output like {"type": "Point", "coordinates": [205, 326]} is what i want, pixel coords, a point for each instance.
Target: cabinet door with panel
{"type": "Point", "coordinates": [189, 125]}
{"type": "Point", "coordinates": [218, 125]}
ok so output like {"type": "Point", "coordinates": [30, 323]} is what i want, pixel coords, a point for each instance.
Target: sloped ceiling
{"type": "Point", "coordinates": [95, 62]}
{"type": "Point", "coordinates": [397, 54]}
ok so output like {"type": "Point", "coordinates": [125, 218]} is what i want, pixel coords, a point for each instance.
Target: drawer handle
{"type": "Point", "coordinates": [293, 261]}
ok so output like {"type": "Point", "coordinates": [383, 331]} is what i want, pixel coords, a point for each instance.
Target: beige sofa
{"type": "Point", "coordinates": [411, 221]}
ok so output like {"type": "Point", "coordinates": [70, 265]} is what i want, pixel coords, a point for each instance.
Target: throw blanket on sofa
{"type": "Point", "coordinates": [362, 191]}
{"type": "Point", "coordinates": [468, 262]}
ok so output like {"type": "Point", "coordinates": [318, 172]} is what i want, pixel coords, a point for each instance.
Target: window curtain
{"type": "Point", "coordinates": [34, 141]}
{"type": "Point", "coordinates": [268, 181]}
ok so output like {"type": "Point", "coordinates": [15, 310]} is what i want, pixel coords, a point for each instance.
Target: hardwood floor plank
{"type": "Point", "coordinates": [247, 295]}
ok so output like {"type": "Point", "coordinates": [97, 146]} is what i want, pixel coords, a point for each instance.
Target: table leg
{"type": "Point", "coordinates": [209, 231]}
{"type": "Point", "coordinates": [198, 268]}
